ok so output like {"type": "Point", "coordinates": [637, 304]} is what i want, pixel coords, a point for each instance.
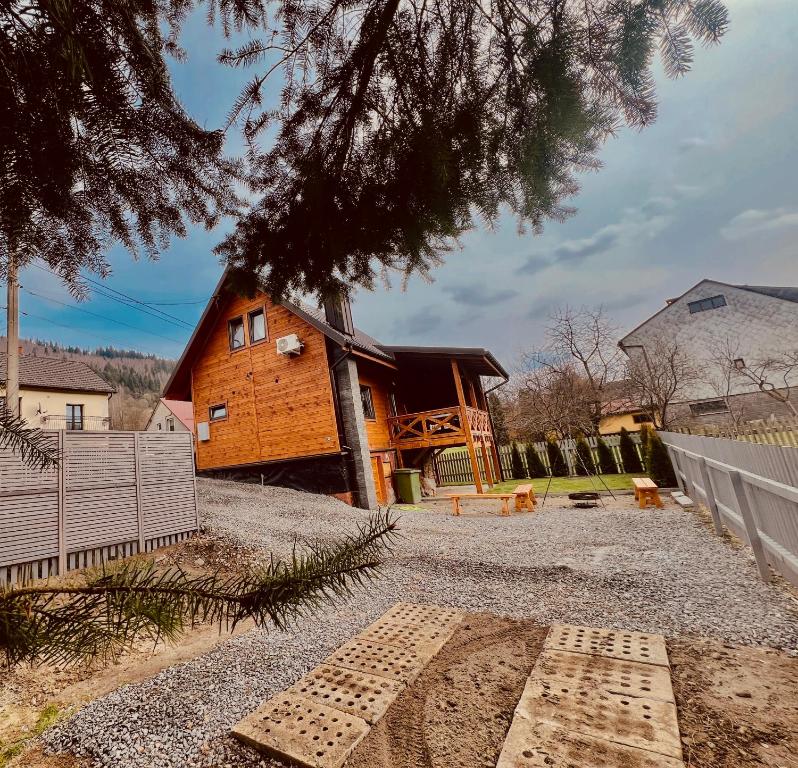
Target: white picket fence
{"type": "Point", "coordinates": [752, 489]}
{"type": "Point", "coordinates": [114, 494]}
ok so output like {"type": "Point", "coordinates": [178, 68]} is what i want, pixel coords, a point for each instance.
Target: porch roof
{"type": "Point", "coordinates": [478, 360]}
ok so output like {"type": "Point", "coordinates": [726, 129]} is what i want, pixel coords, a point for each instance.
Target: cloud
{"type": "Point", "coordinates": [422, 322]}
{"type": "Point", "coordinates": [756, 221]}
{"type": "Point", "coordinates": [693, 142]}
{"type": "Point", "coordinates": [533, 265]}
{"type": "Point", "coordinates": [477, 295]}
{"type": "Point", "coordinates": [599, 242]}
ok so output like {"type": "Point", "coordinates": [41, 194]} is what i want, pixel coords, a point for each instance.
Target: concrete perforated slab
{"type": "Point", "coordinates": [643, 723]}
{"type": "Point", "coordinates": [388, 661]}
{"type": "Point", "coordinates": [398, 632]}
{"type": "Point", "coordinates": [613, 643]}
{"type": "Point", "coordinates": [357, 693]}
{"type": "Point", "coordinates": [629, 678]}
{"type": "Point", "coordinates": [421, 615]}
{"type": "Point", "coordinates": [302, 731]}
{"type": "Point", "coordinates": [540, 745]}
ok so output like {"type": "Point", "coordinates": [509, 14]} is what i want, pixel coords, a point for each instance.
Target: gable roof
{"type": "Point", "coordinates": [179, 381]}
{"type": "Point", "coordinates": [182, 410]}
{"type": "Point", "coordinates": [55, 374]}
{"type": "Point", "coordinates": [776, 292]}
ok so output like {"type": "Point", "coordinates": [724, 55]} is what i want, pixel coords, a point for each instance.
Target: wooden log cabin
{"type": "Point", "coordinates": [293, 395]}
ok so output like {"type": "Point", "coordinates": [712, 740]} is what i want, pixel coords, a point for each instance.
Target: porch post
{"type": "Point", "coordinates": [487, 462]}
{"type": "Point", "coordinates": [466, 427]}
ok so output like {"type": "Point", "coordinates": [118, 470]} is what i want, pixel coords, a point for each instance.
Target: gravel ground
{"type": "Point", "coordinates": [656, 571]}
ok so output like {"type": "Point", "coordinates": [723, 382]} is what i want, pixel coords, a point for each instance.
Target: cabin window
{"type": "Point", "coordinates": [392, 403]}
{"type": "Point", "coordinates": [217, 412]}
{"type": "Point", "coordinates": [170, 424]}
{"type": "Point", "coordinates": [702, 305]}
{"type": "Point", "coordinates": [642, 418]}
{"type": "Point", "coordinates": [257, 326]}
{"type": "Point", "coordinates": [74, 417]}
{"type": "Point", "coordinates": [368, 403]}
{"type": "Point", "coordinates": [708, 406]}
{"type": "Point", "coordinates": [235, 330]}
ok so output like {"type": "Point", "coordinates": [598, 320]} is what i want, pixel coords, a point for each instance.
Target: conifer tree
{"type": "Point", "coordinates": [629, 456]}
{"type": "Point", "coordinates": [606, 461]}
{"type": "Point", "coordinates": [517, 463]}
{"type": "Point", "coordinates": [557, 463]}
{"type": "Point", "coordinates": [534, 465]}
{"type": "Point", "coordinates": [658, 463]}
{"type": "Point", "coordinates": [583, 457]}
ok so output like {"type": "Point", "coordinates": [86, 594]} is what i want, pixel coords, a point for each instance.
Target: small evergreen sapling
{"type": "Point", "coordinates": [658, 463]}
{"type": "Point", "coordinates": [583, 457]}
{"type": "Point", "coordinates": [606, 461]}
{"type": "Point", "coordinates": [629, 456]}
{"type": "Point", "coordinates": [517, 463]}
{"type": "Point", "coordinates": [533, 463]}
{"type": "Point", "coordinates": [559, 467]}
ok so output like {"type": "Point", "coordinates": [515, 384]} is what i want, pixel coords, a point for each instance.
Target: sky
{"type": "Point", "coordinates": [709, 191]}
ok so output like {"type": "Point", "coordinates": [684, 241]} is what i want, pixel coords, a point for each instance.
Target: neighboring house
{"type": "Point", "coordinates": [725, 330]}
{"type": "Point", "coordinates": [296, 396]}
{"type": "Point", "coordinates": [619, 410]}
{"type": "Point", "coordinates": [60, 394]}
{"type": "Point", "coordinates": [171, 416]}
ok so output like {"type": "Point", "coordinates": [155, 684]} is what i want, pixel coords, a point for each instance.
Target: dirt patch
{"type": "Point", "coordinates": [459, 710]}
{"type": "Point", "coordinates": [738, 706]}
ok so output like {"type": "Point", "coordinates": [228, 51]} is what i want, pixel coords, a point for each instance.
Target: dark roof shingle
{"type": "Point", "coordinates": [777, 292]}
{"type": "Point", "coordinates": [52, 373]}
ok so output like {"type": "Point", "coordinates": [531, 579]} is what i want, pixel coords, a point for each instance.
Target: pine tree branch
{"type": "Point", "coordinates": [34, 446]}
{"type": "Point", "coordinates": [98, 619]}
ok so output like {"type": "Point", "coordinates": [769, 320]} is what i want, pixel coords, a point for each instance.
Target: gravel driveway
{"type": "Point", "coordinates": [656, 571]}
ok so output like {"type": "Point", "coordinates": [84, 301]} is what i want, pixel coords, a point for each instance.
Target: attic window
{"type": "Point", "coordinates": [235, 330]}
{"type": "Point", "coordinates": [257, 326]}
{"type": "Point", "coordinates": [702, 305]}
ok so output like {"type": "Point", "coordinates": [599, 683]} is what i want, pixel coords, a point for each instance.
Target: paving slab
{"type": "Point", "coordinates": [302, 731]}
{"type": "Point", "coordinates": [635, 722]}
{"type": "Point", "coordinates": [423, 615]}
{"type": "Point", "coordinates": [423, 638]}
{"type": "Point", "coordinates": [392, 662]}
{"type": "Point", "coordinates": [614, 643]}
{"type": "Point", "coordinates": [585, 671]}
{"type": "Point", "coordinates": [357, 693]}
{"type": "Point", "coordinates": [540, 745]}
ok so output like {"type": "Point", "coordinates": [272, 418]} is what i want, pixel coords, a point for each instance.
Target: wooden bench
{"type": "Point", "coordinates": [525, 497]}
{"type": "Point", "coordinates": [505, 498]}
{"type": "Point", "coordinates": [646, 492]}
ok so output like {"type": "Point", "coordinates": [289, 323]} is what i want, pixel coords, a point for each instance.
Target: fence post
{"type": "Point", "coordinates": [139, 500]}
{"type": "Point", "coordinates": [62, 553]}
{"type": "Point", "coordinates": [744, 507]}
{"type": "Point", "coordinates": [709, 494]}
{"type": "Point", "coordinates": [674, 457]}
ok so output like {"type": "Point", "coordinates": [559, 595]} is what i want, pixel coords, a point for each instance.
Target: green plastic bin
{"type": "Point", "coordinates": [408, 485]}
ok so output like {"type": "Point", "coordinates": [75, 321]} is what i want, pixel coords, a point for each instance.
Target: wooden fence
{"type": "Point", "coordinates": [751, 489]}
{"type": "Point", "coordinates": [114, 494]}
{"type": "Point", "coordinates": [452, 467]}
{"type": "Point", "coordinates": [765, 432]}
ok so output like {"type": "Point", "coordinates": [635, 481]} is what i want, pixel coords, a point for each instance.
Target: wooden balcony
{"type": "Point", "coordinates": [438, 428]}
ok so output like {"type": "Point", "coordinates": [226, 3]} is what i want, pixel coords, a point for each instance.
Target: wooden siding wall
{"type": "Point", "coordinates": [278, 407]}
{"type": "Point", "coordinates": [113, 495]}
{"type": "Point", "coordinates": [381, 381]}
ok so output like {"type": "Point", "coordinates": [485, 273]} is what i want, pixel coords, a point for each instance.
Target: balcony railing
{"type": "Point", "coordinates": [442, 426]}
{"type": "Point", "coordinates": [88, 423]}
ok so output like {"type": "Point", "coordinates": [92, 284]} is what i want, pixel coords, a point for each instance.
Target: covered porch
{"type": "Point", "coordinates": [441, 403]}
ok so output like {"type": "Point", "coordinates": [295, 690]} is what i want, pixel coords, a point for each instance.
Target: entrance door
{"type": "Point", "coordinates": [379, 479]}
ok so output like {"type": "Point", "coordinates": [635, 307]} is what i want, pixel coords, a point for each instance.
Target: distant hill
{"type": "Point", "coordinates": [137, 376]}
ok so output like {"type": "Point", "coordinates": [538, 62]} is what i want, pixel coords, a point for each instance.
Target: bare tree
{"type": "Point", "coordinates": [658, 374]}
{"type": "Point", "coordinates": [581, 343]}
{"type": "Point", "coordinates": [775, 375]}
{"type": "Point", "coordinates": [723, 377]}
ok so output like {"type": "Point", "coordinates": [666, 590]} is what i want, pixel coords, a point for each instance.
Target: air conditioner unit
{"type": "Point", "coordinates": [289, 345]}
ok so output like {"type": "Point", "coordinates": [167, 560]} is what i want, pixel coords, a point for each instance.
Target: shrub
{"type": "Point", "coordinates": [583, 457]}
{"type": "Point", "coordinates": [559, 468]}
{"type": "Point", "coordinates": [534, 465]}
{"type": "Point", "coordinates": [517, 464]}
{"type": "Point", "coordinates": [606, 461]}
{"type": "Point", "coordinates": [629, 456]}
{"type": "Point", "coordinates": [658, 463]}
{"type": "Point", "coordinates": [644, 435]}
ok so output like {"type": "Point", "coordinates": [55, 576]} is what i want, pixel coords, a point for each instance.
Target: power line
{"type": "Point", "coordinates": [127, 301]}
{"type": "Point", "coordinates": [95, 314]}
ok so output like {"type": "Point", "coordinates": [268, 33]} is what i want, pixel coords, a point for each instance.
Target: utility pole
{"type": "Point", "coordinates": [12, 339]}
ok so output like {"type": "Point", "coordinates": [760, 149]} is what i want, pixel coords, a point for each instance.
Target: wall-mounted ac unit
{"type": "Point", "coordinates": [289, 345]}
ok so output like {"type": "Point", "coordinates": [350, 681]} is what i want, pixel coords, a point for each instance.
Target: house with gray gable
{"type": "Point", "coordinates": [726, 331]}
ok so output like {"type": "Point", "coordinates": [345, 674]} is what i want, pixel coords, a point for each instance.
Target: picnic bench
{"type": "Point", "coordinates": [646, 492]}
{"type": "Point", "coordinates": [525, 497]}
{"type": "Point", "coordinates": [505, 499]}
